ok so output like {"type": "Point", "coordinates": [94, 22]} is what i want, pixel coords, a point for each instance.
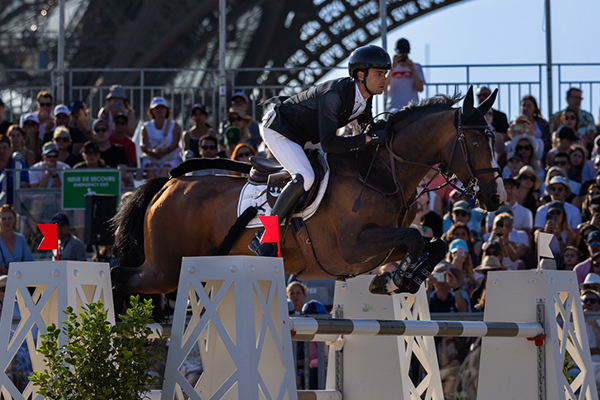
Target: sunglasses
{"type": "Point", "coordinates": [30, 123]}
{"type": "Point", "coordinates": [461, 213]}
{"type": "Point", "coordinates": [45, 104]}
{"type": "Point", "coordinates": [560, 163]}
{"type": "Point", "coordinates": [594, 243]}
{"type": "Point", "coordinates": [570, 118]}
{"type": "Point", "coordinates": [91, 153]}
{"type": "Point", "coordinates": [521, 148]}
{"type": "Point", "coordinates": [595, 264]}
{"type": "Point", "coordinates": [528, 177]}
{"type": "Point", "coordinates": [120, 122]}
{"type": "Point", "coordinates": [100, 130]}
{"type": "Point", "coordinates": [208, 147]}
{"type": "Point", "coordinates": [589, 301]}
{"type": "Point", "coordinates": [234, 119]}
{"type": "Point", "coordinates": [557, 189]}
{"type": "Point", "coordinates": [61, 139]}
{"type": "Point", "coordinates": [53, 155]}
{"type": "Point", "coordinates": [492, 253]}
{"type": "Point", "coordinates": [245, 154]}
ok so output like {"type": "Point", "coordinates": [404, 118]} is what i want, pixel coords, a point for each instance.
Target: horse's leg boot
{"type": "Point", "coordinates": [284, 204]}
{"type": "Point", "coordinates": [406, 279]}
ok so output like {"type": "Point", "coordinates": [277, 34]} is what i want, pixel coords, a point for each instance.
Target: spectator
{"type": "Point", "coordinates": [44, 105]}
{"type": "Point", "coordinates": [119, 137]}
{"type": "Point", "coordinates": [438, 199]}
{"type": "Point", "coordinates": [17, 140]}
{"type": "Point", "coordinates": [3, 280]}
{"type": "Point", "coordinates": [69, 246]}
{"type": "Point", "coordinates": [91, 157]}
{"type": "Point", "coordinates": [237, 118]}
{"type": "Point", "coordinates": [488, 263]}
{"type": "Point", "coordinates": [593, 248]}
{"type": "Point", "coordinates": [522, 217]}
{"type": "Point", "coordinates": [556, 224]}
{"type": "Point", "coordinates": [558, 189]}
{"type": "Point", "coordinates": [296, 292]}
{"type": "Point", "coordinates": [590, 169]}
{"type": "Point", "coordinates": [113, 155]}
{"type": "Point", "coordinates": [499, 120]}
{"type": "Point", "coordinates": [586, 120]}
{"type": "Point", "coordinates": [458, 255]}
{"type": "Point", "coordinates": [160, 140]}
{"type": "Point", "coordinates": [31, 126]}
{"type": "Point", "coordinates": [191, 138]}
{"type": "Point", "coordinates": [460, 230]}
{"type": "Point", "coordinates": [243, 152]}
{"type": "Point", "coordinates": [62, 139]}
{"type": "Point", "coordinates": [591, 281]}
{"type": "Point", "coordinates": [528, 147]}
{"type": "Point", "coordinates": [513, 244]}
{"type": "Point", "coordinates": [570, 119]}
{"type": "Point", "coordinates": [9, 163]}
{"type": "Point", "coordinates": [405, 80]}
{"type": "Point", "coordinates": [80, 118]}
{"type": "Point", "coordinates": [577, 159]}
{"type": "Point", "coordinates": [590, 301]}
{"type": "Point", "coordinates": [565, 138]}
{"type": "Point", "coordinates": [117, 103]}
{"type": "Point", "coordinates": [530, 109]}
{"type": "Point", "coordinates": [572, 187]}
{"type": "Point", "coordinates": [591, 203]}
{"type": "Point", "coordinates": [231, 138]}
{"type": "Point", "coordinates": [570, 258]}
{"type": "Point", "coordinates": [208, 149]}
{"type": "Point", "coordinates": [4, 124]}
{"type": "Point", "coordinates": [314, 307]}
{"type": "Point", "coordinates": [528, 190]}
{"type": "Point", "coordinates": [445, 290]}
{"type": "Point", "coordinates": [431, 219]}
{"type": "Point", "coordinates": [424, 230]}
{"type": "Point", "coordinates": [62, 118]}
{"type": "Point", "coordinates": [462, 212]}
{"type": "Point", "coordinates": [13, 245]}
{"type": "Point", "coordinates": [46, 174]}
{"type": "Point", "coordinates": [514, 163]}
{"type": "Point", "coordinates": [584, 232]}
{"type": "Point", "coordinates": [240, 101]}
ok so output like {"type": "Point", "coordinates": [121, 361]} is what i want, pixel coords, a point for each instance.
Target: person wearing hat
{"type": "Point", "coordinates": [160, 140]}
{"type": "Point", "coordinates": [69, 246]}
{"type": "Point", "coordinates": [488, 263]}
{"type": "Point", "coordinates": [522, 217]}
{"type": "Point", "coordinates": [529, 149]}
{"type": "Point", "coordinates": [119, 137]}
{"type": "Point", "coordinates": [30, 124]}
{"type": "Point", "coordinates": [591, 281]}
{"type": "Point", "coordinates": [462, 212]}
{"type": "Point", "coordinates": [7, 162]}
{"type": "Point", "coordinates": [4, 124]}
{"type": "Point", "coordinates": [117, 103]}
{"type": "Point", "coordinates": [574, 187]}
{"type": "Point", "coordinates": [91, 157]}
{"type": "Point", "coordinates": [445, 293]}
{"type": "Point", "coordinates": [565, 138]}
{"type": "Point", "coordinates": [528, 190]}
{"type": "Point", "coordinates": [459, 256]}
{"type": "Point", "coordinates": [62, 118]}
{"type": "Point", "coordinates": [514, 163]}
{"type": "Point", "coordinates": [405, 80]}
{"type": "Point", "coordinates": [46, 173]}
{"type": "Point", "coordinates": [191, 138]}
{"type": "Point", "coordinates": [593, 247]}
{"type": "Point", "coordinates": [236, 118]}
{"type": "Point", "coordinates": [558, 190]}
{"type": "Point", "coordinates": [240, 100]}
{"type": "Point", "coordinates": [80, 118]}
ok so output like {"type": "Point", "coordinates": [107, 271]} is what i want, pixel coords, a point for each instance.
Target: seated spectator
{"type": "Point", "coordinates": [91, 157]}
{"type": "Point", "coordinates": [160, 140]}
{"type": "Point", "coordinates": [593, 248]}
{"type": "Point", "coordinates": [573, 187]}
{"type": "Point", "coordinates": [458, 255]}
{"type": "Point", "coordinates": [558, 189]}
{"type": "Point", "coordinates": [13, 245]}
{"type": "Point", "coordinates": [462, 212]}
{"type": "Point", "coordinates": [445, 293]}
{"type": "Point", "coordinates": [242, 152]}
{"type": "Point", "coordinates": [4, 124]}
{"type": "Point", "coordinates": [208, 149]}
{"type": "Point", "coordinates": [488, 263]}
{"type": "Point", "coordinates": [514, 163]}
{"type": "Point", "coordinates": [568, 118]}
{"type": "Point", "coordinates": [530, 109]}
{"type": "Point", "coordinates": [592, 166]}
{"type": "Point", "coordinates": [237, 117]}
{"type": "Point", "coordinates": [522, 217]}
{"type": "Point", "coordinates": [240, 101]}
{"type": "Point", "coordinates": [590, 301]}
{"type": "Point", "coordinates": [231, 138]}
{"type": "Point", "coordinates": [585, 120]}
{"type": "Point", "coordinates": [191, 138]}
{"type": "Point", "coordinates": [9, 163]}
{"type": "Point", "coordinates": [46, 173]}
{"type": "Point", "coordinates": [117, 103]}
{"type": "Point", "coordinates": [44, 113]}
{"type": "Point", "coordinates": [556, 224]}
{"type": "Point", "coordinates": [80, 118]}
{"type": "Point", "coordinates": [17, 140]}
{"type": "Point", "coordinates": [62, 139]}
{"type": "Point", "coordinates": [499, 122]}
{"type": "Point", "coordinates": [62, 118]}
{"type": "Point", "coordinates": [584, 231]}
{"type": "Point", "coordinates": [459, 230]}
{"type": "Point", "coordinates": [431, 219]}
{"type": "Point", "coordinates": [31, 126]}
{"type": "Point", "coordinates": [528, 190]}
{"type": "Point", "coordinates": [570, 258]}
{"type": "Point", "coordinates": [119, 137]}
{"type": "Point", "coordinates": [577, 157]}
{"type": "Point", "coordinates": [314, 307]}
{"type": "Point", "coordinates": [528, 147]}
{"type": "Point", "coordinates": [69, 246]}
{"type": "Point", "coordinates": [417, 223]}
{"type": "Point", "coordinates": [113, 155]}
{"type": "Point", "coordinates": [565, 138]}
{"type": "Point", "coordinates": [513, 244]}
{"type": "Point", "coordinates": [591, 282]}
{"type": "Point", "coordinates": [591, 203]}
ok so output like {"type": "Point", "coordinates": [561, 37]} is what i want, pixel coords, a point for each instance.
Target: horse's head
{"type": "Point", "coordinates": [473, 159]}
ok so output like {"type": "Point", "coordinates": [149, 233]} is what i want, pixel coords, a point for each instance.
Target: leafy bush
{"type": "Point", "coordinates": [100, 360]}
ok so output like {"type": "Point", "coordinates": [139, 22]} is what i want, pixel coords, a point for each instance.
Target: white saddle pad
{"type": "Point", "coordinates": [256, 195]}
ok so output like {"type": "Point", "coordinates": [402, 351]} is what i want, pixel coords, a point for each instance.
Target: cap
{"type": "Point", "coordinates": [490, 263]}
{"type": "Point", "coordinates": [595, 255]}
{"type": "Point", "coordinates": [90, 145]}
{"type": "Point", "coordinates": [314, 307]}
{"type": "Point", "coordinates": [61, 109]}
{"type": "Point", "coordinates": [456, 244]}
{"type": "Point", "coordinates": [559, 179]}
{"type": "Point", "coordinates": [238, 111]}
{"type": "Point", "coordinates": [461, 205]}
{"type": "Point", "coordinates": [593, 236]}
{"type": "Point", "coordinates": [242, 95]}
{"type": "Point", "coordinates": [98, 122]}
{"type": "Point", "coordinates": [402, 46]}
{"type": "Point", "coordinates": [124, 116]}
{"type": "Point", "coordinates": [514, 154]}
{"type": "Point", "coordinates": [200, 107]}
{"type": "Point", "coordinates": [60, 219]}
{"type": "Point", "coordinates": [491, 245]}
{"type": "Point", "coordinates": [556, 205]}
{"type": "Point", "coordinates": [158, 101]}
{"type": "Point", "coordinates": [29, 117]}
{"type": "Point", "coordinates": [564, 132]}
{"type": "Point", "coordinates": [528, 170]}
{"type": "Point", "coordinates": [3, 279]}
{"type": "Point", "coordinates": [510, 181]}
{"type": "Point", "coordinates": [591, 281]}
{"type": "Point", "coordinates": [75, 105]}
{"type": "Point", "coordinates": [232, 135]}
{"type": "Point", "coordinates": [49, 147]}
{"type": "Point", "coordinates": [117, 92]}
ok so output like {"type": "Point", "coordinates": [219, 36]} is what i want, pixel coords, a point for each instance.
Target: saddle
{"type": "Point", "coordinates": [266, 171]}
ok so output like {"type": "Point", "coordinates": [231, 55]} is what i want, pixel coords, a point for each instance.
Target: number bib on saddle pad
{"type": "Point", "coordinates": [257, 195]}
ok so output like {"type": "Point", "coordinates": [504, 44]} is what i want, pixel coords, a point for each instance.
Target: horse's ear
{"type": "Point", "coordinates": [487, 104]}
{"type": "Point", "coordinates": [467, 107]}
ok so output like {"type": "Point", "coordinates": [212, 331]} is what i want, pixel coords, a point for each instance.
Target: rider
{"type": "Point", "coordinates": [315, 115]}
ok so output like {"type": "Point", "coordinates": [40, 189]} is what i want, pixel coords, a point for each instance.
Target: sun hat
{"type": "Point", "coordinates": [591, 281]}
{"type": "Point", "coordinates": [515, 142]}
{"type": "Point", "coordinates": [490, 263]}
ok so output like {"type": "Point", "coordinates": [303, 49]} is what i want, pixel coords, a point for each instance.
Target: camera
{"type": "Point", "coordinates": [440, 276]}
{"type": "Point", "coordinates": [403, 58]}
{"type": "Point", "coordinates": [522, 127]}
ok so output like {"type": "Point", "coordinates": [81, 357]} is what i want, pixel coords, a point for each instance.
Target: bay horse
{"type": "Point", "coordinates": [167, 219]}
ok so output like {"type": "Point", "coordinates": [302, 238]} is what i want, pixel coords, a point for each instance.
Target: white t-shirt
{"type": "Point", "coordinates": [522, 218]}
{"type": "Point", "coordinates": [38, 171]}
{"type": "Point", "coordinates": [573, 216]}
{"type": "Point", "coordinates": [402, 88]}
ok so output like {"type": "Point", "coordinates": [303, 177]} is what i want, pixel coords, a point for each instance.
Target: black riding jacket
{"type": "Point", "coordinates": [315, 115]}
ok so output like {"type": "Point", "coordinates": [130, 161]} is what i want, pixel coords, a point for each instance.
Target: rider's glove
{"type": "Point", "coordinates": [378, 137]}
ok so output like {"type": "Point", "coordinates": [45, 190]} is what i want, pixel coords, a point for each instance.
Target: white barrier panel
{"type": "Point", "coordinates": [42, 290]}
{"type": "Point", "coordinates": [241, 322]}
{"type": "Point", "coordinates": [513, 367]}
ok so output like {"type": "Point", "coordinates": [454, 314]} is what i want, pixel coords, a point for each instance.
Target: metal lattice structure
{"type": "Point", "coordinates": [278, 39]}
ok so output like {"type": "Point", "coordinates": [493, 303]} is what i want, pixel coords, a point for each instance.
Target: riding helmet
{"type": "Point", "coordinates": [367, 57]}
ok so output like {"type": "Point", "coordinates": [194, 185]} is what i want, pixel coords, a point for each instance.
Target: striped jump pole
{"type": "Point", "coordinates": [312, 329]}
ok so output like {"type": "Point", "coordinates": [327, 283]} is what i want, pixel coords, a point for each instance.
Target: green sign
{"type": "Point", "coordinates": [81, 182]}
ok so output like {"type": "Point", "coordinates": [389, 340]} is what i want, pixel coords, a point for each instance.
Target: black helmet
{"type": "Point", "coordinates": [367, 57]}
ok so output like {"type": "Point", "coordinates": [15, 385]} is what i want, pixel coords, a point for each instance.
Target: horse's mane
{"type": "Point", "coordinates": [414, 111]}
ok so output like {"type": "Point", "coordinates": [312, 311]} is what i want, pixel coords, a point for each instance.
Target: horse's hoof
{"type": "Point", "coordinates": [410, 280]}
{"type": "Point", "coordinates": [382, 284]}
{"type": "Point", "coordinates": [262, 249]}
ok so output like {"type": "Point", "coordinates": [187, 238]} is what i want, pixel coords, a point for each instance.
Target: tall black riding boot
{"type": "Point", "coordinates": [284, 204]}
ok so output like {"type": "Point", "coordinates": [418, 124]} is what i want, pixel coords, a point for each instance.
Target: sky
{"type": "Point", "coordinates": [508, 32]}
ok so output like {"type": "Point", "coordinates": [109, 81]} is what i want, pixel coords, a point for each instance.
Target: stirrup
{"type": "Point", "coordinates": [262, 249]}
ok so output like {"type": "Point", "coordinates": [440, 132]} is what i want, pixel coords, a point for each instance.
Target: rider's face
{"type": "Point", "coordinates": [376, 80]}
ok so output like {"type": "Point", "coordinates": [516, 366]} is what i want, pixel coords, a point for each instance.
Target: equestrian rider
{"type": "Point", "coordinates": [315, 115]}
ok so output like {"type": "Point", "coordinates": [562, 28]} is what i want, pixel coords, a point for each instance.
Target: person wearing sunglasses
{"type": "Point", "coordinates": [585, 119]}
{"type": "Point", "coordinates": [556, 224]}
{"type": "Point", "coordinates": [117, 103]}
{"type": "Point", "coordinates": [62, 139]}
{"type": "Point", "coordinates": [591, 204]}
{"type": "Point", "coordinates": [529, 148]}
{"type": "Point", "coordinates": [565, 138]}
{"type": "Point", "coordinates": [558, 189]}
{"type": "Point", "coordinates": [568, 118]}
{"type": "Point", "coordinates": [119, 136]}
{"type": "Point", "coordinates": [242, 152]}
{"type": "Point", "coordinates": [522, 217]}
{"type": "Point", "coordinates": [46, 173]}
{"type": "Point", "coordinates": [528, 191]}
{"type": "Point", "coordinates": [240, 101]}
{"type": "Point", "coordinates": [237, 118]}
{"type": "Point", "coordinates": [590, 302]}
{"type": "Point", "coordinates": [571, 196]}
{"type": "Point", "coordinates": [44, 112]}
{"type": "Point", "coordinates": [593, 248]}
{"type": "Point", "coordinates": [209, 149]}
{"type": "Point", "coordinates": [191, 137]}
{"type": "Point", "coordinates": [62, 118]}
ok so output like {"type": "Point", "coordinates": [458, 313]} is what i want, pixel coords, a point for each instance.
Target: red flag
{"type": "Point", "coordinates": [271, 234]}
{"type": "Point", "coordinates": [50, 240]}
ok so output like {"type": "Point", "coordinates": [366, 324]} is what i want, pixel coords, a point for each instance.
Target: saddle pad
{"type": "Point", "coordinates": [256, 195]}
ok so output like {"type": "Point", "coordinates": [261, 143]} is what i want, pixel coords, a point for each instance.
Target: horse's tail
{"type": "Point", "coordinates": [129, 224]}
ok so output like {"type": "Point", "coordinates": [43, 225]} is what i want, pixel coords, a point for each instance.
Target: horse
{"type": "Point", "coordinates": [167, 219]}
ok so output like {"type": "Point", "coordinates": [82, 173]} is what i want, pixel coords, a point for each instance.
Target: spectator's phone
{"type": "Point", "coordinates": [500, 224]}
{"type": "Point", "coordinates": [552, 217]}
{"type": "Point", "coordinates": [522, 127]}
{"type": "Point", "coordinates": [403, 58]}
{"type": "Point", "coordinates": [440, 276]}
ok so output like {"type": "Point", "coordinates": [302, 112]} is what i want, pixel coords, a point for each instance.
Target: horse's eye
{"type": "Point", "coordinates": [475, 144]}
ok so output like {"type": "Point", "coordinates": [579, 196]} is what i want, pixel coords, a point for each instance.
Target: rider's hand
{"type": "Point", "coordinates": [377, 137]}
